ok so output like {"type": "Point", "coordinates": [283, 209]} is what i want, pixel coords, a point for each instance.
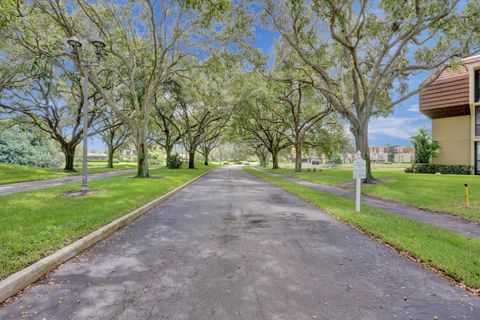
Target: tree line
{"type": "Point", "coordinates": [188, 71]}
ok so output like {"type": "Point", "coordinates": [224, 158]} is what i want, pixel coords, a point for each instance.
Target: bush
{"type": "Point", "coordinates": [409, 170]}
{"type": "Point", "coordinates": [442, 168]}
{"type": "Point", "coordinates": [336, 159]}
{"type": "Point", "coordinates": [28, 147]}
{"type": "Point", "coordinates": [174, 161]}
{"type": "Point", "coordinates": [425, 147]}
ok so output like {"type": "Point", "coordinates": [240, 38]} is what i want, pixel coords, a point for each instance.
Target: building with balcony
{"type": "Point", "coordinates": [452, 102]}
{"type": "Point", "coordinates": [379, 154]}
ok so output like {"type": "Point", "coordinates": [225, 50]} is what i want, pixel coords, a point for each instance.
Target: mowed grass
{"type": "Point", "coordinates": [11, 173]}
{"type": "Point", "coordinates": [36, 223]}
{"type": "Point", "coordinates": [455, 255]}
{"type": "Point", "coordinates": [101, 166]}
{"type": "Point", "coordinates": [440, 193]}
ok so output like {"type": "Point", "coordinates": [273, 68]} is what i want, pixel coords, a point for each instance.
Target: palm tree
{"type": "Point", "coordinates": [425, 146]}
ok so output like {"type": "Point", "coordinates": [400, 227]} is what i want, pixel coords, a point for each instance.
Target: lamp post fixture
{"type": "Point", "coordinates": [76, 44]}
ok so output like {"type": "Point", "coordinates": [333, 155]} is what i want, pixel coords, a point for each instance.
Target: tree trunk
{"type": "Point", "coordinates": [298, 157]}
{"type": "Point", "coordinates": [275, 160]}
{"type": "Point", "coordinates": [191, 160]}
{"type": "Point", "coordinates": [361, 143]}
{"type": "Point", "coordinates": [69, 153]}
{"type": "Point", "coordinates": [263, 159]}
{"type": "Point", "coordinates": [110, 157]}
{"type": "Point", "coordinates": [142, 154]}
{"type": "Point", "coordinates": [168, 150]}
{"type": "Point", "coordinates": [206, 153]}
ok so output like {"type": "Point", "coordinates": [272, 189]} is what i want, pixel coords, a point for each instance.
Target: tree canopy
{"type": "Point", "coordinates": [190, 72]}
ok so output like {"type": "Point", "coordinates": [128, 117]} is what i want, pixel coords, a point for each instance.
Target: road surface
{"type": "Point", "coordinates": [232, 246]}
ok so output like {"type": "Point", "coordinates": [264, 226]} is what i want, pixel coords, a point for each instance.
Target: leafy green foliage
{"type": "Point", "coordinates": [7, 8]}
{"type": "Point", "coordinates": [336, 159]}
{"type": "Point", "coordinates": [362, 55]}
{"type": "Point", "coordinates": [425, 146]}
{"type": "Point", "coordinates": [174, 161]}
{"type": "Point", "coordinates": [26, 147]}
{"type": "Point", "coordinates": [441, 168]}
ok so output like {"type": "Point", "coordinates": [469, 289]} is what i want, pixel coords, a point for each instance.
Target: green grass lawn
{"type": "Point", "coordinates": [455, 255]}
{"type": "Point", "coordinates": [36, 223]}
{"type": "Point", "coordinates": [101, 166]}
{"type": "Point", "coordinates": [10, 173]}
{"type": "Point", "coordinates": [441, 193]}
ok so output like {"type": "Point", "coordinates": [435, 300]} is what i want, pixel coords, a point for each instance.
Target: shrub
{"type": "Point", "coordinates": [425, 146]}
{"type": "Point", "coordinates": [336, 159]}
{"type": "Point", "coordinates": [409, 170]}
{"type": "Point", "coordinates": [442, 168]}
{"type": "Point", "coordinates": [28, 147]}
{"type": "Point", "coordinates": [174, 161]}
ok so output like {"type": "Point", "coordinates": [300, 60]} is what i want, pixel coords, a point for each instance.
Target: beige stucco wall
{"type": "Point", "coordinates": [453, 134]}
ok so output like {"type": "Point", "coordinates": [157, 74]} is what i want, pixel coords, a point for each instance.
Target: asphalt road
{"type": "Point", "coordinates": [232, 246]}
{"type": "Point", "coordinates": [47, 183]}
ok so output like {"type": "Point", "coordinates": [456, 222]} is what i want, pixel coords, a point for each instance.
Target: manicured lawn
{"type": "Point", "coordinates": [325, 176]}
{"type": "Point", "coordinates": [456, 255]}
{"type": "Point", "coordinates": [36, 223]}
{"type": "Point", "coordinates": [101, 166]}
{"type": "Point", "coordinates": [441, 193]}
{"type": "Point", "coordinates": [10, 173]}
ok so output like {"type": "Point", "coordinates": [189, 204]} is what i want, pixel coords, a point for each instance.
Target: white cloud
{"type": "Point", "coordinates": [413, 108]}
{"type": "Point", "coordinates": [395, 127]}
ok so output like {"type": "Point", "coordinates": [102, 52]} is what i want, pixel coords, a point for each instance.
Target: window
{"type": "Point", "coordinates": [476, 88]}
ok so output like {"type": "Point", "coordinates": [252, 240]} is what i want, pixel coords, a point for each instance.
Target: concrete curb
{"type": "Point", "coordinates": [25, 277]}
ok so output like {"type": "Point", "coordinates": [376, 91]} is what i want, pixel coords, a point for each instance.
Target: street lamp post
{"type": "Point", "coordinates": [76, 44]}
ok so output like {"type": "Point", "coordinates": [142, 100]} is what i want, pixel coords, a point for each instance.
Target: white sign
{"type": "Point", "coordinates": [359, 169]}
{"type": "Point", "coordinates": [359, 173]}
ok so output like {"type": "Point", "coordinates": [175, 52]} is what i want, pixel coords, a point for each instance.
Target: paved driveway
{"type": "Point", "coordinates": [232, 246]}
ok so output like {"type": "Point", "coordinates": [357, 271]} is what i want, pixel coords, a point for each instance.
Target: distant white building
{"type": "Point", "coordinates": [396, 154]}
{"type": "Point", "coordinates": [96, 156]}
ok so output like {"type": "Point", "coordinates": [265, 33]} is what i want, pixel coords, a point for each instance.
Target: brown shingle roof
{"type": "Point", "coordinates": [448, 95]}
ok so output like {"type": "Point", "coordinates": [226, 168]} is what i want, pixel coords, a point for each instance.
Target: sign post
{"type": "Point", "coordinates": [359, 173]}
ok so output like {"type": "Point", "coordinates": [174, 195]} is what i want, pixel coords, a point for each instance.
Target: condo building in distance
{"type": "Point", "coordinates": [452, 102]}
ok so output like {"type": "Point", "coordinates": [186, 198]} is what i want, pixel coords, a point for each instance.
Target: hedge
{"type": "Point", "coordinates": [441, 168]}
